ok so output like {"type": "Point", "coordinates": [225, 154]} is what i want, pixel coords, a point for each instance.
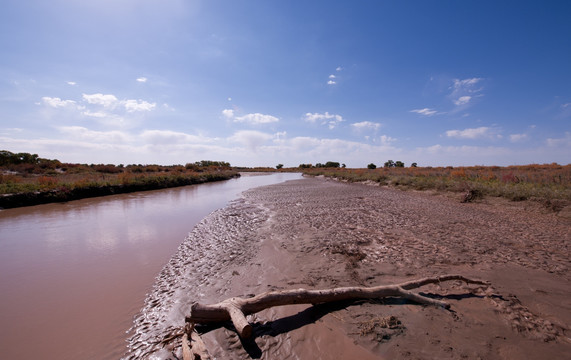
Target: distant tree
{"type": "Point", "coordinates": [371, 166]}
{"type": "Point", "coordinates": [329, 164]}
{"type": "Point", "coordinates": [7, 157]}
{"type": "Point", "coordinates": [399, 164]}
{"type": "Point", "coordinates": [343, 166]}
{"type": "Point", "coordinates": [389, 164]}
{"type": "Point", "coordinates": [305, 166]}
{"type": "Point", "coordinates": [413, 165]}
{"type": "Point", "coordinates": [279, 166]}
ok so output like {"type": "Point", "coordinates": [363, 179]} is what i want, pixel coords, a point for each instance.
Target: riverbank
{"type": "Point", "coordinates": [549, 184]}
{"type": "Point", "coordinates": [67, 191]}
{"type": "Point", "coordinates": [317, 233]}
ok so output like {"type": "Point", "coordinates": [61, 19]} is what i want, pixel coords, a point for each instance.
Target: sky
{"type": "Point", "coordinates": [267, 82]}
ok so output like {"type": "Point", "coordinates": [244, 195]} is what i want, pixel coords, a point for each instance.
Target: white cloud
{"type": "Point", "coordinates": [425, 111]}
{"type": "Point", "coordinates": [463, 91]}
{"type": "Point", "coordinates": [339, 68]}
{"type": "Point", "coordinates": [110, 102]}
{"type": "Point", "coordinates": [565, 111]}
{"type": "Point", "coordinates": [168, 107]}
{"type": "Point", "coordinates": [165, 137]}
{"type": "Point", "coordinates": [312, 150]}
{"type": "Point", "coordinates": [462, 100]}
{"type": "Point", "coordinates": [466, 83]}
{"type": "Point", "coordinates": [256, 119]}
{"type": "Point", "coordinates": [518, 137]}
{"type": "Point", "coordinates": [110, 119]}
{"type": "Point", "coordinates": [332, 124]}
{"type": "Point", "coordinates": [56, 102]}
{"type": "Point", "coordinates": [107, 101]}
{"type": "Point", "coordinates": [72, 83]}
{"type": "Point", "coordinates": [228, 113]}
{"type": "Point", "coordinates": [475, 133]}
{"type": "Point", "coordinates": [331, 82]}
{"type": "Point", "coordinates": [560, 142]}
{"type": "Point", "coordinates": [467, 155]}
{"type": "Point", "coordinates": [332, 76]}
{"type": "Point", "coordinates": [301, 143]}
{"type": "Point", "coordinates": [366, 126]}
{"type": "Point", "coordinates": [95, 114]}
{"type": "Point", "coordinates": [142, 79]}
{"type": "Point", "coordinates": [255, 148]}
{"type": "Point", "coordinates": [280, 136]}
{"type": "Point", "coordinates": [82, 133]}
{"type": "Point", "coordinates": [332, 120]}
{"type": "Point", "coordinates": [138, 105]}
{"type": "Point", "coordinates": [250, 138]}
{"type": "Point", "coordinates": [386, 140]}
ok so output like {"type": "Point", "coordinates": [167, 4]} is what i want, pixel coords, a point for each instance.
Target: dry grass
{"type": "Point", "coordinates": [547, 182]}
{"type": "Point", "coordinates": [26, 179]}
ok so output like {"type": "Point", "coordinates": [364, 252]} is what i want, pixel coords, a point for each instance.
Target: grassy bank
{"type": "Point", "coordinates": [40, 181]}
{"type": "Point", "coordinates": [549, 183]}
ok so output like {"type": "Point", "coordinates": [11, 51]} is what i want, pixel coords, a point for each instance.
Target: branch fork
{"type": "Point", "coordinates": [236, 308]}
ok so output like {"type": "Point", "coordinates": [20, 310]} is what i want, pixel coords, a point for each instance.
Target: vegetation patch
{"type": "Point", "coordinates": [548, 183]}
{"type": "Point", "coordinates": [27, 179]}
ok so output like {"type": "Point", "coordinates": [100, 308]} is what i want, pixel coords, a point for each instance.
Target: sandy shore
{"type": "Point", "coordinates": [317, 233]}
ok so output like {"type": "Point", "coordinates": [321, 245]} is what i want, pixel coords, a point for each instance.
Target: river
{"type": "Point", "coordinates": [73, 275]}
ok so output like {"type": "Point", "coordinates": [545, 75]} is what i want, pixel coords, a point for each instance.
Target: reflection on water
{"type": "Point", "coordinates": [73, 275]}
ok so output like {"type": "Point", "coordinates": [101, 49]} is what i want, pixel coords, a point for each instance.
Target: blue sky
{"type": "Point", "coordinates": [258, 83]}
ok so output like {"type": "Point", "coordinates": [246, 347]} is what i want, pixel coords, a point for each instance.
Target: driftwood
{"type": "Point", "coordinates": [193, 348]}
{"type": "Point", "coordinates": [186, 351]}
{"type": "Point", "coordinates": [236, 309]}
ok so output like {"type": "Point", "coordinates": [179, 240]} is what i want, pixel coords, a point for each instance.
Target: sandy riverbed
{"type": "Point", "coordinates": [317, 233]}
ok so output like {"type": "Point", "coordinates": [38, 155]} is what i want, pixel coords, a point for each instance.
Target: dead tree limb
{"type": "Point", "coordinates": [186, 351]}
{"type": "Point", "coordinates": [193, 348]}
{"type": "Point", "coordinates": [236, 309]}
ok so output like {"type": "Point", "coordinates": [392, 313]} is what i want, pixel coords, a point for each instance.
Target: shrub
{"type": "Point", "coordinates": [47, 181]}
{"type": "Point", "coordinates": [107, 169]}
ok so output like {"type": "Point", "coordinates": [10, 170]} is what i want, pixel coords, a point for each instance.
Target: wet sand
{"type": "Point", "coordinates": [317, 233]}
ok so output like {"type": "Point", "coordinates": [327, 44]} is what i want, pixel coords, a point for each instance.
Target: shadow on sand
{"type": "Point", "coordinates": [309, 316]}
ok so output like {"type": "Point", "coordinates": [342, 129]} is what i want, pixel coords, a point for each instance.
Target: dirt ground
{"type": "Point", "coordinates": [318, 233]}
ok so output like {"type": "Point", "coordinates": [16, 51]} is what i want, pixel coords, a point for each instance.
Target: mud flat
{"type": "Point", "coordinates": [317, 233]}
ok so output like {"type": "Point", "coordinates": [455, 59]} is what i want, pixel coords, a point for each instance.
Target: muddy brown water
{"type": "Point", "coordinates": [73, 275]}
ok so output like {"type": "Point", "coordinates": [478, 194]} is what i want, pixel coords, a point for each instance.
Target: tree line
{"type": "Point", "coordinates": [334, 164]}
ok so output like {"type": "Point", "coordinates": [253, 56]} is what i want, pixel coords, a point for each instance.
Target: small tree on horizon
{"type": "Point", "coordinates": [371, 166]}
{"type": "Point", "coordinates": [279, 166]}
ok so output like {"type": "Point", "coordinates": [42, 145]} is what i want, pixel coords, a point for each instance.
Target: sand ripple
{"type": "Point", "coordinates": [316, 233]}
